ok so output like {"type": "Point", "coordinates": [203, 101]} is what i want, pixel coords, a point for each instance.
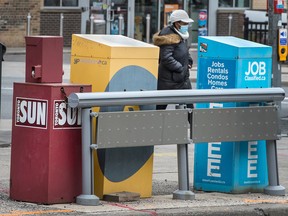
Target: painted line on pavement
{"type": "Point", "coordinates": [153, 213]}
{"type": "Point", "coordinates": [266, 201]}
{"type": "Point", "coordinates": [19, 213]}
{"type": "Point", "coordinates": [173, 154]}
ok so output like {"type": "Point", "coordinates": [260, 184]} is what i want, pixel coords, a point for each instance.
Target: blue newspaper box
{"type": "Point", "coordinates": [228, 62]}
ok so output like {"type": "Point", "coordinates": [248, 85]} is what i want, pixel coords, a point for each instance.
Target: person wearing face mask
{"type": "Point", "coordinates": [174, 60]}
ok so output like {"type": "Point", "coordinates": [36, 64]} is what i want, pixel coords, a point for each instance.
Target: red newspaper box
{"type": "Point", "coordinates": [46, 144]}
{"type": "Point", "coordinates": [44, 59]}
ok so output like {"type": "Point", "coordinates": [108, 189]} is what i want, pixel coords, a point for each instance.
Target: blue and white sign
{"type": "Point", "coordinates": [282, 37]}
{"type": "Point", "coordinates": [254, 73]}
{"type": "Point", "coordinates": [230, 167]}
{"type": "Point", "coordinates": [216, 73]}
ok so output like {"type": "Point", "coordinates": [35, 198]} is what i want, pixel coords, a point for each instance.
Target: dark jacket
{"type": "Point", "coordinates": [173, 71]}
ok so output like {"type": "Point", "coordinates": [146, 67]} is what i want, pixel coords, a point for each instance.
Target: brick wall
{"type": "Point", "coordinates": [237, 23]}
{"type": "Point", "coordinates": [259, 5]}
{"type": "Point", "coordinates": [50, 23]}
{"type": "Point", "coordinates": [13, 20]}
{"type": "Point", "coordinates": [262, 4]}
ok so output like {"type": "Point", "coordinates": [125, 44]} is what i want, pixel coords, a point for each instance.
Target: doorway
{"type": "Point", "coordinates": [105, 16]}
{"type": "Point", "coordinates": [134, 14]}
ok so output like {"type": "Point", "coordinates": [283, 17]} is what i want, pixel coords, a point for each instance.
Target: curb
{"type": "Point", "coordinates": [250, 210]}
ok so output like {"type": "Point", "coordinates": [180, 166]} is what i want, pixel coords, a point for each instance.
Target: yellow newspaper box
{"type": "Point", "coordinates": [117, 63]}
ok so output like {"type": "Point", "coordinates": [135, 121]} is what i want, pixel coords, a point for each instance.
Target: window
{"type": "Point", "coordinates": [60, 3]}
{"type": "Point", "coordinates": [234, 3]}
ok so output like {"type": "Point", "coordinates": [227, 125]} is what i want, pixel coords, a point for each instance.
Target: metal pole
{"type": "Point", "coordinates": [1, 57]}
{"type": "Point", "coordinates": [185, 5]}
{"type": "Point", "coordinates": [91, 24]}
{"type": "Point", "coordinates": [148, 20]}
{"type": "Point", "coordinates": [28, 24]}
{"type": "Point", "coordinates": [87, 197]}
{"type": "Point", "coordinates": [159, 16]}
{"type": "Point", "coordinates": [108, 17]}
{"type": "Point", "coordinates": [61, 24]}
{"type": "Point", "coordinates": [120, 27]}
{"type": "Point", "coordinates": [274, 24]}
{"type": "Point", "coordinates": [183, 193]}
{"type": "Point", "coordinates": [175, 97]}
{"type": "Point", "coordinates": [274, 188]}
{"type": "Point", "coordinates": [212, 14]}
{"type": "Point", "coordinates": [230, 17]}
{"type": "Point", "coordinates": [131, 18]}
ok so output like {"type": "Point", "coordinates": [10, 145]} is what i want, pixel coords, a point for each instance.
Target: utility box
{"type": "Point", "coordinates": [44, 59]}
{"type": "Point", "coordinates": [117, 63]}
{"type": "Point", "coordinates": [46, 163]}
{"type": "Point", "coordinates": [223, 63]}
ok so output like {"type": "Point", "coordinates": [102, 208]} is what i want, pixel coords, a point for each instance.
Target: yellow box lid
{"type": "Point", "coordinates": [112, 47]}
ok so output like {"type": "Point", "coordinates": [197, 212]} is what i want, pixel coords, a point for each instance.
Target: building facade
{"type": "Point", "coordinates": [140, 19]}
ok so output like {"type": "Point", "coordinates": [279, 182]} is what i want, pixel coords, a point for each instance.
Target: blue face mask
{"type": "Point", "coordinates": [183, 29]}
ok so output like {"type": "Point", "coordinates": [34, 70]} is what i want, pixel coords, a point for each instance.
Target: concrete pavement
{"type": "Point", "coordinates": [5, 132]}
{"type": "Point", "coordinates": [165, 180]}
